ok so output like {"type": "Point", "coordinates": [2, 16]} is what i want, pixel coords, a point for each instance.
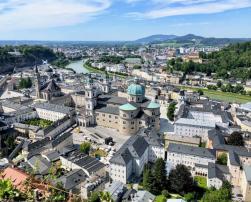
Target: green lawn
{"type": "Point", "coordinates": [39, 122]}
{"type": "Point", "coordinates": [222, 96]}
{"type": "Point", "coordinates": [202, 181]}
{"type": "Point", "coordinates": [160, 198]}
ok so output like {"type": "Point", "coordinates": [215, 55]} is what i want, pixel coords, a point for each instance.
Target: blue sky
{"type": "Point", "coordinates": [122, 19]}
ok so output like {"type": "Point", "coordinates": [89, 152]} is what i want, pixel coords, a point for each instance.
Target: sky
{"type": "Point", "coordinates": [114, 20]}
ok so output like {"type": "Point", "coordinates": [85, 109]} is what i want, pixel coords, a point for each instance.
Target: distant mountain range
{"type": "Point", "coordinates": [189, 39]}
{"type": "Point", "coordinates": [171, 40]}
{"type": "Point", "coordinates": [156, 38]}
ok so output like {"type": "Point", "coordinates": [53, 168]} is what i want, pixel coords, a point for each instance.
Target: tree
{"type": "Point", "coordinates": [57, 193]}
{"type": "Point", "coordinates": [219, 84]}
{"type": "Point", "coordinates": [212, 87]}
{"type": "Point", "coordinates": [85, 147]}
{"type": "Point", "coordinates": [147, 179]}
{"type": "Point", "coordinates": [149, 182]}
{"type": "Point", "coordinates": [165, 193]}
{"type": "Point", "coordinates": [94, 197]}
{"type": "Point", "coordinates": [180, 179]}
{"type": "Point", "coordinates": [159, 173]}
{"type": "Point", "coordinates": [222, 159]}
{"type": "Point", "coordinates": [236, 139]}
{"type": "Point", "coordinates": [170, 111]}
{"type": "Point", "coordinates": [105, 197]}
{"type": "Point", "coordinates": [200, 91]}
{"type": "Point", "coordinates": [189, 196]}
{"type": "Point", "coordinates": [136, 67]}
{"type": "Point", "coordinates": [223, 194]}
{"type": "Point", "coordinates": [25, 83]}
{"type": "Point", "coordinates": [7, 190]}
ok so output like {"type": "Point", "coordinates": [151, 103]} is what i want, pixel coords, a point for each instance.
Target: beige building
{"type": "Point", "coordinates": [246, 183]}
{"type": "Point", "coordinates": [172, 138]}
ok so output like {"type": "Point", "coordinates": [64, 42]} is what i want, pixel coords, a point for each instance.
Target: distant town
{"type": "Point", "coordinates": [161, 119]}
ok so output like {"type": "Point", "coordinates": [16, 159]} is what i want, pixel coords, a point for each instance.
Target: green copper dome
{"type": "Point", "coordinates": [136, 89]}
{"type": "Point", "coordinates": [153, 105]}
{"type": "Point", "coordinates": [127, 107]}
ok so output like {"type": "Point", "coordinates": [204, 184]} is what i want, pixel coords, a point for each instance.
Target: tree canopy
{"type": "Point", "coordinates": [236, 139]}
{"type": "Point", "coordinates": [223, 194]}
{"type": "Point", "coordinates": [180, 179]}
{"type": "Point", "coordinates": [170, 111]}
{"type": "Point", "coordinates": [232, 61]}
{"type": "Point", "coordinates": [25, 83]}
{"type": "Point", "coordinates": [85, 147]}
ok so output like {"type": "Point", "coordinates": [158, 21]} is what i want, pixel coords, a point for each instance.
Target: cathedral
{"type": "Point", "coordinates": [48, 90]}
{"type": "Point", "coordinates": [127, 113]}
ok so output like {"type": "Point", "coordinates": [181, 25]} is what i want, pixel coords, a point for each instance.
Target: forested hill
{"type": "Point", "coordinates": [21, 56]}
{"type": "Point", "coordinates": [232, 61]}
{"type": "Point", "coordinates": [235, 59]}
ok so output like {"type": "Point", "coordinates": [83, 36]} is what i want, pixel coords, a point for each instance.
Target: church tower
{"type": "Point", "coordinates": [37, 83]}
{"type": "Point", "coordinates": [90, 97]}
{"type": "Point", "coordinates": [106, 83]}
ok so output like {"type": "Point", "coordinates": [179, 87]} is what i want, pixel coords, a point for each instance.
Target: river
{"type": "Point", "coordinates": [78, 67]}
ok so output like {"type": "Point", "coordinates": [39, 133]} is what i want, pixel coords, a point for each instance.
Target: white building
{"type": "Point", "coordinates": [130, 159]}
{"type": "Point", "coordinates": [193, 127]}
{"type": "Point", "coordinates": [53, 112]}
{"type": "Point", "coordinates": [195, 158]}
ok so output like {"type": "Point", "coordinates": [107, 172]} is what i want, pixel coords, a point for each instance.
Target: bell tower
{"type": "Point", "coordinates": [37, 83]}
{"type": "Point", "coordinates": [90, 97]}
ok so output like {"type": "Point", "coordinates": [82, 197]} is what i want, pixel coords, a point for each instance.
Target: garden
{"type": "Point", "coordinates": [39, 122]}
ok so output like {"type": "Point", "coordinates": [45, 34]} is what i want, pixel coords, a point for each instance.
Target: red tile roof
{"type": "Point", "coordinates": [17, 177]}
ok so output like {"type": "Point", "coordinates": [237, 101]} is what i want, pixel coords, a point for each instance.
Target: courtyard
{"type": "Point", "coordinates": [39, 122]}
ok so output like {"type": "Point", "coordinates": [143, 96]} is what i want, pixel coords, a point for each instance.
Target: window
{"type": "Point", "coordinates": [116, 117]}
{"type": "Point", "coordinates": [124, 115]}
{"type": "Point", "coordinates": [110, 116]}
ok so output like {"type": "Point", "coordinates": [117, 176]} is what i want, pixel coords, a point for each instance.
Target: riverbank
{"type": "Point", "coordinates": [96, 70]}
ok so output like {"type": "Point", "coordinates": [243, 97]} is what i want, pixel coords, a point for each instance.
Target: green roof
{"type": "Point", "coordinates": [127, 107]}
{"type": "Point", "coordinates": [136, 89]}
{"type": "Point", "coordinates": [153, 105]}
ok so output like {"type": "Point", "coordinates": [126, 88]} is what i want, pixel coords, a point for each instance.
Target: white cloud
{"type": "Point", "coordinates": [189, 24]}
{"type": "Point", "coordinates": [33, 14]}
{"type": "Point", "coordinates": [188, 7]}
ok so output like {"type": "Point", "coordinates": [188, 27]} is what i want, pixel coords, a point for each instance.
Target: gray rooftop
{"type": "Point", "coordinates": [88, 163]}
{"type": "Point", "coordinates": [54, 107]}
{"type": "Point", "coordinates": [134, 147]}
{"type": "Point", "coordinates": [72, 179]}
{"type": "Point", "coordinates": [190, 150]}
{"type": "Point", "coordinates": [217, 171]}
{"type": "Point", "coordinates": [195, 122]}
{"type": "Point", "coordinates": [108, 110]}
